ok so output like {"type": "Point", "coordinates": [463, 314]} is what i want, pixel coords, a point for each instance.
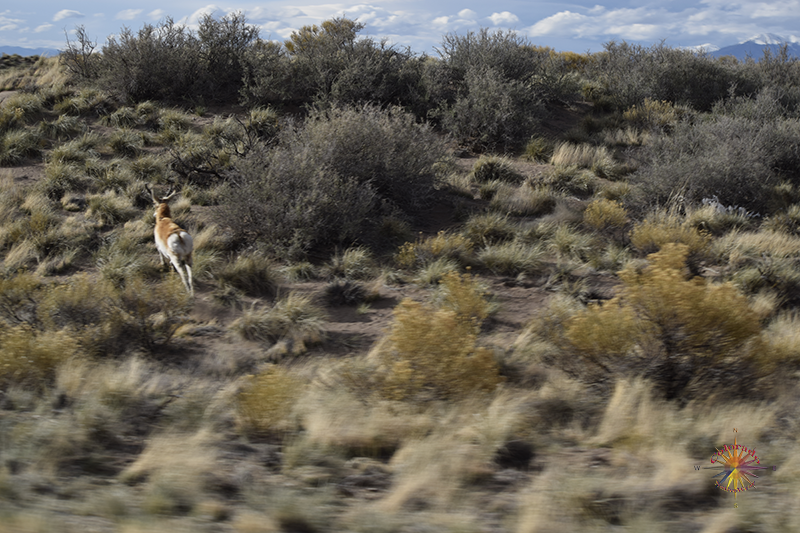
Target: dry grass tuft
{"type": "Point", "coordinates": [512, 258]}
{"type": "Point", "coordinates": [448, 246]}
{"type": "Point", "coordinates": [31, 357]}
{"type": "Point", "coordinates": [493, 168]}
{"type": "Point", "coordinates": [579, 155]}
{"type": "Point", "coordinates": [295, 318]}
{"type": "Point", "coordinates": [524, 200]}
{"type": "Point", "coordinates": [664, 227]}
{"type": "Point", "coordinates": [254, 274]}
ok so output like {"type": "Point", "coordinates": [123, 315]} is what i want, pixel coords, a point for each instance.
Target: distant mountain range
{"type": "Point", "coordinates": [24, 52]}
{"type": "Point", "coordinates": [755, 47]}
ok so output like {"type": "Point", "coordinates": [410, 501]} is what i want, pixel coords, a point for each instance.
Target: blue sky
{"type": "Point", "coordinates": [578, 26]}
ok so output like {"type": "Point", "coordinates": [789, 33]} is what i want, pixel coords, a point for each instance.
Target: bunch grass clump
{"type": "Point", "coordinates": [78, 150]}
{"type": "Point", "coordinates": [652, 114]}
{"type": "Point", "coordinates": [567, 155]}
{"type": "Point", "coordinates": [512, 258]}
{"type": "Point", "coordinates": [252, 273]}
{"type": "Point", "coordinates": [110, 208]}
{"type": "Point", "coordinates": [664, 227]}
{"type": "Point", "coordinates": [24, 105]}
{"type": "Point", "coordinates": [524, 200]}
{"type": "Point", "coordinates": [493, 168]}
{"type": "Point", "coordinates": [123, 117]}
{"type": "Point", "coordinates": [31, 357]}
{"type": "Point", "coordinates": [432, 272]}
{"type": "Point", "coordinates": [84, 102]}
{"type": "Point", "coordinates": [787, 220]}
{"type": "Point", "coordinates": [571, 180]}
{"type": "Point", "coordinates": [63, 128]}
{"type": "Point", "coordinates": [569, 243]}
{"type": "Point", "coordinates": [539, 149]}
{"type": "Point", "coordinates": [295, 318]}
{"type": "Point", "coordinates": [17, 145]}
{"type": "Point", "coordinates": [126, 142]}
{"type": "Point", "coordinates": [353, 263]}
{"type": "Point", "coordinates": [716, 221]}
{"type": "Point", "coordinates": [489, 228]}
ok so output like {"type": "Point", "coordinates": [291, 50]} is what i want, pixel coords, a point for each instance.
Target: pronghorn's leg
{"type": "Point", "coordinates": [177, 264]}
{"type": "Point", "coordinates": [188, 264]}
{"type": "Point", "coordinates": [189, 275]}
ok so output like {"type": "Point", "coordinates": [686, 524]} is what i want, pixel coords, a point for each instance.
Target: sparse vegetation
{"type": "Point", "coordinates": [452, 293]}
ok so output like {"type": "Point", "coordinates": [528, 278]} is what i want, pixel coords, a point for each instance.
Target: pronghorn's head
{"type": "Point", "coordinates": [162, 207]}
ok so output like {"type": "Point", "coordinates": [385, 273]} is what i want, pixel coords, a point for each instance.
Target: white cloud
{"type": "Point", "coordinates": [43, 27]}
{"type": "Point", "coordinates": [9, 23]}
{"type": "Point", "coordinates": [441, 21]}
{"type": "Point", "coordinates": [67, 13]}
{"type": "Point", "coordinates": [504, 18]}
{"type": "Point", "coordinates": [467, 14]}
{"type": "Point", "coordinates": [128, 14]}
{"type": "Point", "coordinates": [636, 32]}
{"type": "Point", "coordinates": [194, 18]}
{"type": "Point", "coordinates": [157, 14]}
{"type": "Point", "coordinates": [558, 23]}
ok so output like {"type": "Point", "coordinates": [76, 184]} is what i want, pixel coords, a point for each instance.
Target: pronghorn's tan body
{"type": "Point", "coordinates": [173, 242]}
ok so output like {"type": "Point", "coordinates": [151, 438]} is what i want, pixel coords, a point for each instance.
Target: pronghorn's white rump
{"type": "Point", "coordinates": [172, 241]}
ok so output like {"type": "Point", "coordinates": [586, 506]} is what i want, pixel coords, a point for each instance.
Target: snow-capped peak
{"type": "Point", "coordinates": [766, 38]}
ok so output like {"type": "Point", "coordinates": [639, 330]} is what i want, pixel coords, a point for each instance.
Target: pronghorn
{"type": "Point", "coordinates": [172, 241]}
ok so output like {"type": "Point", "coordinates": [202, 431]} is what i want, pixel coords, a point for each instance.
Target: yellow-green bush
{"type": "Point", "coordinates": [266, 400]}
{"type": "Point", "coordinates": [691, 313]}
{"type": "Point", "coordinates": [464, 294]}
{"type": "Point", "coordinates": [432, 352]}
{"type": "Point", "coordinates": [610, 329]}
{"type": "Point", "coordinates": [601, 214]}
{"type": "Point", "coordinates": [683, 322]}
